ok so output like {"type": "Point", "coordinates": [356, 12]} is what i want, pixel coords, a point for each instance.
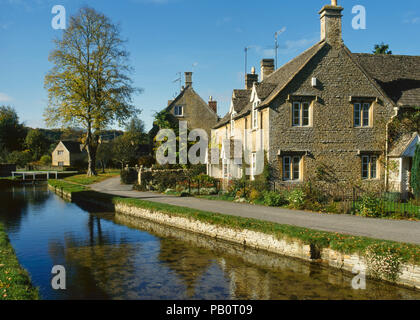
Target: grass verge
{"type": "Point", "coordinates": [83, 179]}
{"type": "Point", "coordinates": [15, 283]}
{"type": "Point", "coordinates": [346, 244]}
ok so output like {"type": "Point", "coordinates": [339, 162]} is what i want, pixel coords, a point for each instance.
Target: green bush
{"type": "Point", "coordinates": [129, 176]}
{"type": "Point", "coordinates": [45, 160]}
{"type": "Point", "coordinates": [369, 206]}
{"type": "Point", "coordinates": [274, 199]}
{"type": "Point", "coordinates": [296, 199]}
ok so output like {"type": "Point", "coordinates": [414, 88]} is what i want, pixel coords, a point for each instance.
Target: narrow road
{"type": "Point", "coordinates": [396, 230]}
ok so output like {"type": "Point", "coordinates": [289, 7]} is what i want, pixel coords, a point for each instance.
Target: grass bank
{"type": "Point", "coordinates": [83, 179]}
{"type": "Point", "coordinates": [346, 244]}
{"type": "Point", "coordinates": [15, 283]}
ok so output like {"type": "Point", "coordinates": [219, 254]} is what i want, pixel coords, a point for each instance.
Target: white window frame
{"type": "Point", "coordinates": [360, 111]}
{"type": "Point", "coordinates": [232, 126]}
{"type": "Point", "coordinates": [289, 174]}
{"type": "Point", "coordinates": [254, 163]}
{"type": "Point", "coordinates": [372, 167]}
{"type": "Point", "coordinates": [176, 111]}
{"type": "Point", "coordinates": [299, 107]}
{"type": "Point", "coordinates": [254, 115]}
{"type": "Point", "coordinates": [60, 152]}
{"type": "Point", "coordinates": [61, 163]}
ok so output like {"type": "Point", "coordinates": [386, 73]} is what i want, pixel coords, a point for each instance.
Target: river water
{"type": "Point", "coordinates": [111, 256]}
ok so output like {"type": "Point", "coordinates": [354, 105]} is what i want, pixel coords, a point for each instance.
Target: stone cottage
{"type": "Point", "coordinates": [322, 117]}
{"type": "Point", "coordinates": [67, 154]}
{"type": "Point", "coordinates": [190, 107]}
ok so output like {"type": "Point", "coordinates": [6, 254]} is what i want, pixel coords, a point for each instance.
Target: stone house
{"type": "Point", "coordinates": [322, 117]}
{"type": "Point", "coordinates": [67, 154]}
{"type": "Point", "coordinates": [190, 107]}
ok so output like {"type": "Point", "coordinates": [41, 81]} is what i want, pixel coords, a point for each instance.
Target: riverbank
{"type": "Point", "coordinates": [387, 260]}
{"type": "Point", "coordinates": [15, 283]}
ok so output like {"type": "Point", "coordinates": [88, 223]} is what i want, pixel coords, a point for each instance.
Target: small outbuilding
{"type": "Point", "coordinates": [401, 162]}
{"type": "Point", "coordinates": [67, 154]}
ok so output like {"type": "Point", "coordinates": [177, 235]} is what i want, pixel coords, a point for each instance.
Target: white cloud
{"type": "Point", "coordinates": [4, 97]}
{"type": "Point", "coordinates": [411, 18]}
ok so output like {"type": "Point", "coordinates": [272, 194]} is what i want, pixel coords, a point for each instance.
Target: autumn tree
{"type": "Point", "coordinates": [89, 85]}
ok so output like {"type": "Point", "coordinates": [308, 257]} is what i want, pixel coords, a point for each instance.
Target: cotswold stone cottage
{"type": "Point", "coordinates": [322, 117]}
{"type": "Point", "coordinates": [189, 106]}
{"type": "Point", "coordinates": [67, 153]}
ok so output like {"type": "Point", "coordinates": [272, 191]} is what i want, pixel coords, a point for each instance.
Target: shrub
{"type": "Point", "coordinates": [45, 160]}
{"type": "Point", "coordinates": [296, 199]}
{"type": "Point", "coordinates": [255, 195]}
{"type": "Point", "coordinates": [129, 176]}
{"type": "Point", "coordinates": [274, 199]}
{"type": "Point", "coordinates": [369, 206]}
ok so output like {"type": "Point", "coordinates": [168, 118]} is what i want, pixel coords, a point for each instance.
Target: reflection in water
{"type": "Point", "coordinates": [109, 256]}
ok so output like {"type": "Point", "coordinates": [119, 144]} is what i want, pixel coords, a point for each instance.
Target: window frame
{"type": "Point", "coordinates": [254, 115]}
{"type": "Point", "coordinates": [177, 108]}
{"type": "Point", "coordinates": [298, 119]}
{"type": "Point", "coordinates": [60, 152]}
{"type": "Point", "coordinates": [370, 172]}
{"type": "Point", "coordinates": [291, 175]}
{"type": "Point", "coordinates": [362, 114]}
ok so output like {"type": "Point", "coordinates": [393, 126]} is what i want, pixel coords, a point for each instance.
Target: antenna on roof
{"type": "Point", "coordinates": [179, 80]}
{"type": "Point", "coordinates": [276, 45]}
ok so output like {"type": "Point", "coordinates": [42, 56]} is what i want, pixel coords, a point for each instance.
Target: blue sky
{"type": "Point", "coordinates": [207, 37]}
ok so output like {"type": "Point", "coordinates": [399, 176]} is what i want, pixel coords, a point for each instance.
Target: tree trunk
{"type": "Point", "coordinates": [91, 150]}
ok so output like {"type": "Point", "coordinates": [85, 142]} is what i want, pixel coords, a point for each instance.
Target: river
{"type": "Point", "coordinates": [111, 256]}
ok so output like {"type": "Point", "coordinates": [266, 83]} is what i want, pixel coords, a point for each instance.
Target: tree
{"type": "Point", "coordinates": [415, 173]}
{"type": "Point", "coordinates": [381, 49]}
{"type": "Point", "coordinates": [125, 150]}
{"type": "Point", "coordinates": [12, 133]}
{"type": "Point", "coordinates": [37, 143]}
{"type": "Point", "coordinates": [20, 158]}
{"type": "Point", "coordinates": [89, 85]}
{"type": "Point", "coordinates": [105, 154]}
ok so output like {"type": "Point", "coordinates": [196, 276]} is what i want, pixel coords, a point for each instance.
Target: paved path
{"type": "Point", "coordinates": [402, 231]}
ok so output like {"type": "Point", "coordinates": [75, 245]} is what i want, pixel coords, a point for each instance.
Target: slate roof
{"type": "Point", "coordinates": [72, 146]}
{"type": "Point", "coordinates": [398, 76]}
{"type": "Point", "coordinates": [401, 144]}
{"type": "Point", "coordinates": [181, 94]}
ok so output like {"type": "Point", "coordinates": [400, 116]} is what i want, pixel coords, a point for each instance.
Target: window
{"type": "Point", "coordinates": [254, 163]}
{"type": "Point", "coordinates": [301, 114]}
{"type": "Point", "coordinates": [179, 111]}
{"type": "Point", "coordinates": [232, 127]}
{"type": "Point", "coordinates": [369, 167]}
{"type": "Point", "coordinates": [292, 168]}
{"type": "Point", "coordinates": [255, 116]}
{"type": "Point", "coordinates": [225, 171]}
{"type": "Point", "coordinates": [61, 164]}
{"type": "Point", "coordinates": [60, 152]}
{"type": "Point", "coordinates": [362, 114]}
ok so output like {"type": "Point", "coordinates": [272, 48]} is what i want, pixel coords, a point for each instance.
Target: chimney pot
{"type": "Point", "coordinates": [267, 68]}
{"type": "Point", "coordinates": [250, 79]}
{"type": "Point", "coordinates": [331, 24]}
{"type": "Point", "coordinates": [213, 104]}
{"type": "Point", "coordinates": [188, 79]}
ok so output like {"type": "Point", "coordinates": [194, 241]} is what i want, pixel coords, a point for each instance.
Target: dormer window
{"type": "Point", "coordinates": [179, 111]}
{"type": "Point", "coordinates": [255, 115]}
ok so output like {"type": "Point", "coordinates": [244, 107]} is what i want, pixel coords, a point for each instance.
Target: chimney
{"type": "Point", "coordinates": [267, 68]}
{"type": "Point", "coordinates": [188, 79]}
{"type": "Point", "coordinates": [250, 79]}
{"type": "Point", "coordinates": [213, 104]}
{"type": "Point", "coordinates": [331, 24]}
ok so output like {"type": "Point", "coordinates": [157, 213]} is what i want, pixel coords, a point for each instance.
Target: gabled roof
{"type": "Point", "coordinates": [181, 94]}
{"type": "Point", "coordinates": [240, 99]}
{"type": "Point", "coordinates": [72, 146]}
{"type": "Point", "coordinates": [273, 84]}
{"type": "Point", "coordinates": [401, 145]}
{"type": "Point", "coordinates": [398, 76]}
